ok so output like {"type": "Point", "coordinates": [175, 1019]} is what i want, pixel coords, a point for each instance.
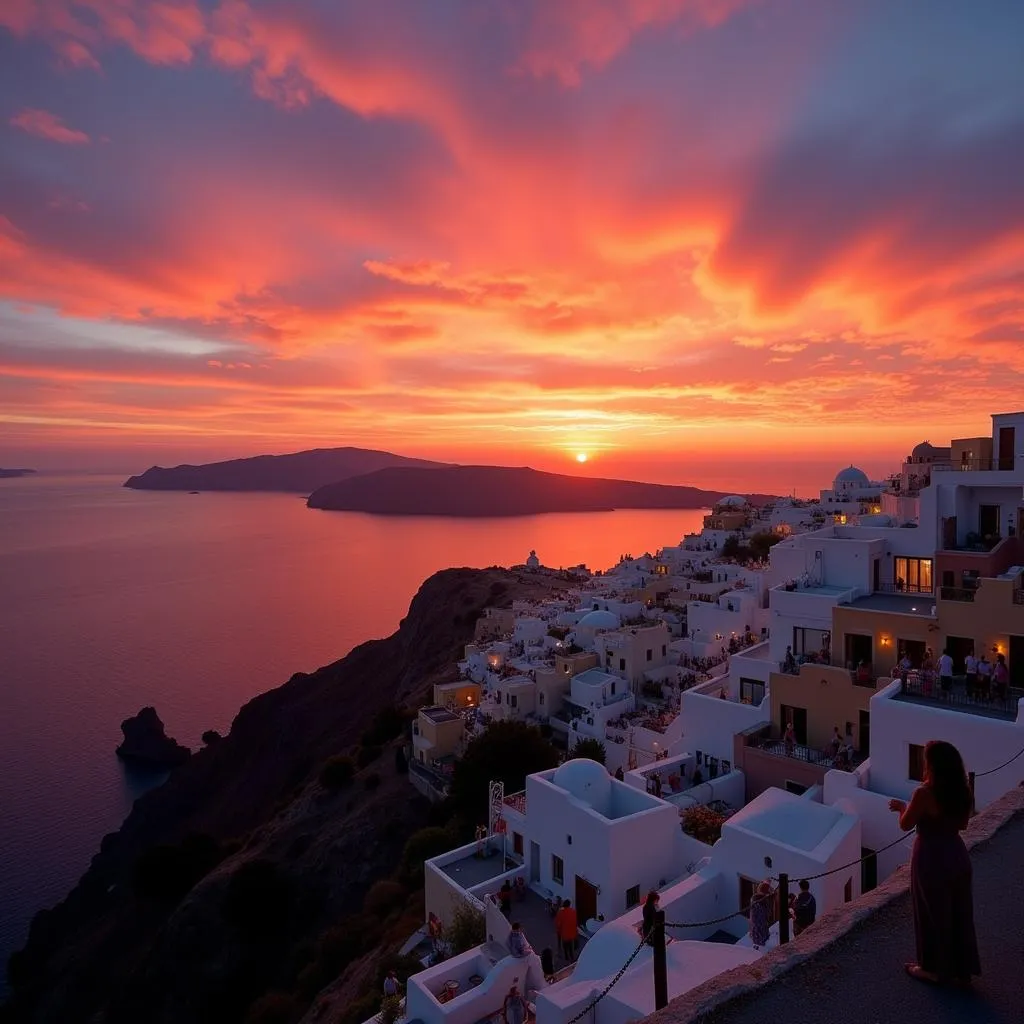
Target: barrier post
{"type": "Point", "coordinates": [660, 962]}
{"type": "Point", "coordinates": [783, 908]}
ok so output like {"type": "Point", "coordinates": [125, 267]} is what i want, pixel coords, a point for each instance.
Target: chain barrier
{"type": "Point", "coordinates": [622, 970]}
{"type": "Point", "coordinates": [719, 920]}
{"type": "Point", "coordinates": [1000, 767]}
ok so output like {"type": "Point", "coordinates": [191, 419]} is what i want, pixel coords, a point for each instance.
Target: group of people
{"type": "Point", "coordinates": [983, 679]}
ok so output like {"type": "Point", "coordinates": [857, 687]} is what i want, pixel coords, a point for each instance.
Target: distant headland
{"type": "Point", "coordinates": [10, 474]}
{"type": "Point", "coordinates": [491, 491]}
{"type": "Point", "coordinates": [298, 473]}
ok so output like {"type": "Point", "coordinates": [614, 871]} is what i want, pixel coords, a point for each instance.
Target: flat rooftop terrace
{"type": "Point", "coordinates": [471, 870]}
{"type": "Point", "coordinates": [901, 604]}
{"type": "Point", "coordinates": [438, 714]}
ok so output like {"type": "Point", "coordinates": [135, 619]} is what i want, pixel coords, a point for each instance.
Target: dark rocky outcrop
{"type": "Point", "coordinates": [500, 491]}
{"type": "Point", "coordinates": [10, 474]}
{"type": "Point", "coordinates": [299, 472]}
{"type": "Point", "coordinates": [146, 744]}
{"type": "Point", "coordinates": [165, 927]}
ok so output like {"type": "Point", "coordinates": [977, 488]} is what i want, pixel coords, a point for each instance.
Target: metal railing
{"type": "Point", "coordinates": [904, 588]}
{"type": "Point", "coordinates": [965, 594]}
{"type": "Point", "coordinates": [810, 755]}
{"type": "Point", "coordinates": [1018, 596]}
{"type": "Point", "coordinates": [958, 697]}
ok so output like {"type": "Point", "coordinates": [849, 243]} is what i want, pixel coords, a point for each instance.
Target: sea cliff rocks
{"type": "Point", "coordinates": [147, 745]}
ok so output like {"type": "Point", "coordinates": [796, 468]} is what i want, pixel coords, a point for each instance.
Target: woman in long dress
{"type": "Point", "coordinates": [940, 870]}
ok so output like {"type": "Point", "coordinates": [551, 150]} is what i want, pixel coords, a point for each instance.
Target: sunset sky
{"type": "Point", "coordinates": [692, 239]}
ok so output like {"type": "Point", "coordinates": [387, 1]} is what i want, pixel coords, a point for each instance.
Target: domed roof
{"type": "Point", "coordinates": [851, 475]}
{"type": "Point", "coordinates": [599, 619]}
{"type": "Point", "coordinates": [734, 500]}
{"type": "Point", "coordinates": [924, 450]}
{"type": "Point", "coordinates": [586, 780]}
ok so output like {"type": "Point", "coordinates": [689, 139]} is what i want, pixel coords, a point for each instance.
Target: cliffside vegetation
{"type": "Point", "coordinates": [275, 874]}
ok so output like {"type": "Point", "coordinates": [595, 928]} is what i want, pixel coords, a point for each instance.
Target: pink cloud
{"type": "Point", "coordinates": [48, 126]}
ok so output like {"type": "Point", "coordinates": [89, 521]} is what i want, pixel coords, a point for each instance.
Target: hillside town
{"type": "Point", "coordinates": [760, 692]}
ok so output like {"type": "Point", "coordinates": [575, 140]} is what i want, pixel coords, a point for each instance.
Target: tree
{"type": "Point", "coordinates": [504, 751]}
{"type": "Point", "coordinates": [590, 748]}
{"type": "Point", "coordinates": [468, 928]}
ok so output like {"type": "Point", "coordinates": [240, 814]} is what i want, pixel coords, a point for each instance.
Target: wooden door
{"type": "Point", "coordinates": [586, 901]}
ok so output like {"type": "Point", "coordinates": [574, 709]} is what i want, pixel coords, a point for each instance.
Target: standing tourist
{"type": "Point", "coordinates": [761, 915]}
{"type": "Point", "coordinates": [945, 673]}
{"type": "Point", "coordinates": [391, 984]}
{"type": "Point", "coordinates": [650, 909]}
{"type": "Point", "coordinates": [971, 674]}
{"type": "Point", "coordinates": [505, 898]}
{"type": "Point", "coordinates": [515, 1007]}
{"type": "Point", "coordinates": [984, 677]}
{"type": "Point", "coordinates": [805, 908]}
{"type": "Point", "coordinates": [789, 739]}
{"type": "Point", "coordinates": [568, 928]}
{"type": "Point", "coordinates": [940, 870]}
{"type": "Point", "coordinates": [1001, 677]}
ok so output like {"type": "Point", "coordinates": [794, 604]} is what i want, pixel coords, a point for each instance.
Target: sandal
{"type": "Point", "coordinates": [918, 973]}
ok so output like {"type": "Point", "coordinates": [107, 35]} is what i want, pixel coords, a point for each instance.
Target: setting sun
{"type": "Point", "coordinates": [581, 457]}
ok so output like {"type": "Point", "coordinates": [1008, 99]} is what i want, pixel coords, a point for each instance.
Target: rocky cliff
{"type": "Point", "coordinates": [225, 883]}
{"type": "Point", "coordinates": [298, 472]}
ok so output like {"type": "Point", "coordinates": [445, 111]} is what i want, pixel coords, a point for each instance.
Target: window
{"type": "Point", "coordinates": [540, 699]}
{"type": "Point", "coordinates": [632, 896]}
{"type": "Point", "coordinates": [915, 768]}
{"type": "Point", "coordinates": [795, 788]}
{"type": "Point", "coordinates": [809, 641]}
{"type": "Point", "coordinates": [913, 575]}
{"type": "Point", "coordinates": [517, 844]}
{"type": "Point", "coordinates": [649, 654]}
{"type": "Point", "coordinates": [557, 869]}
{"type": "Point", "coordinates": [613, 689]}
{"type": "Point", "coordinates": [513, 700]}
{"type": "Point", "coordinates": [622, 664]}
{"type": "Point", "coordinates": [751, 691]}
{"type": "Point", "coordinates": [664, 650]}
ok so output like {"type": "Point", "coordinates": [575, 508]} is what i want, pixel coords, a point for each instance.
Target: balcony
{"type": "Point", "coordinates": [926, 692]}
{"type": "Point", "coordinates": [1018, 596]}
{"type": "Point", "coordinates": [809, 755]}
{"type": "Point", "coordinates": [517, 801]}
{"type": "Point", "coordinates": [965, 594]}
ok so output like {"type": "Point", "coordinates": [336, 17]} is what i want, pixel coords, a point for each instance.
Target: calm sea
{"type": "Point", "coordinates": [112, 599]}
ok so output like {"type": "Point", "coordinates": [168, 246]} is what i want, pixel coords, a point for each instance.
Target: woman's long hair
{"type": "Point", "coordinates": [947, 778]}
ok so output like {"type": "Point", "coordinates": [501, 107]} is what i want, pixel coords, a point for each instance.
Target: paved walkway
{"type": "Point", "coordinates": [860, 979]}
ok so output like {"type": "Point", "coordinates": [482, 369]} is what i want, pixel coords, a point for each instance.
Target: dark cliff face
{"type": "Point", "coordinates": [121, 949]}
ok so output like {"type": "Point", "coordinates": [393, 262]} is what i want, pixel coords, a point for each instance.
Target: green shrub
{"type": "Point", "coordinates": [390, 1009]}
{"type": "Point", "coordinates": [367, 755]}
{"type": "Point", "coordinates": [383, 897]}
{"type": "Point", "coordinates": [468, 928]}
{"type": "Point", "coordinates": [421, 846]}
{"type": "Point", "coordinates": [590, 748]}
{"type": "Point", "coordinates": [337, 772]}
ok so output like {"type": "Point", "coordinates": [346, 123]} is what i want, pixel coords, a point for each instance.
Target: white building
{"type": "Point", "coordinates": [852, 486]}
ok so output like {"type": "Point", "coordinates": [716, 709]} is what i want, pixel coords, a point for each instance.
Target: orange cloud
{"type": "Point", "coordinates": [48, 126]}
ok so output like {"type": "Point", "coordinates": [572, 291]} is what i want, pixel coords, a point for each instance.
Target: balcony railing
{"type": "Point", "coordinates": [993, 704]}
{"type": "Point", "coordinates": [1018, 596]}
{"type": "Point", "coordinates": [974, 465]}
{"type": "Point", "coordinates": [957, 593]}
{"type": "Point", "coordinates": [810, 755]}
{"type": "Point", "coordinates": [517, 801]}
{"type": "Point", "coordinates": [899, 587]}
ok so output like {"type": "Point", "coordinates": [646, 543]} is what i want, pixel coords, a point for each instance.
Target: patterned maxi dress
{"type": "Point", "coordinates": [940, 885]}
